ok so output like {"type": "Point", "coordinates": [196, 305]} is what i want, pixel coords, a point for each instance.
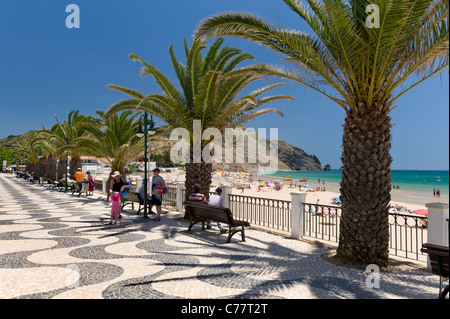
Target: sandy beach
{"type": "Point", "coordinates": [409, 201]}
{"type": "Point", "coordinates": [412, 202]}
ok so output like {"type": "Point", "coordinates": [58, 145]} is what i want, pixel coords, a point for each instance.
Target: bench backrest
{"type": "Point", "coordinates": [220, 214]}
{"type": "Point", "coordinates": [134, 197]}
{"type": "Point", "coordinates": [438, 254]}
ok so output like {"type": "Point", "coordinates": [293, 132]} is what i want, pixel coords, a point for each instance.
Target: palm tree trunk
{"type": "Point", "coordinates": [365, 187]}
{"type": "Point", "coordinates": [62, 168]}
{"type": "Point", "coordinates": [75, 163]}
{"type": "Point", "coordinates": [44, 172]}
{"type": "Point", "coordinates": [51, 167]}
{"type": "Point", "coordinates": [197, 173]}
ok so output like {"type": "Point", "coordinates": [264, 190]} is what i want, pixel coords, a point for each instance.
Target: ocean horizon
{"type": "Point", "coordinates": [417, 181]}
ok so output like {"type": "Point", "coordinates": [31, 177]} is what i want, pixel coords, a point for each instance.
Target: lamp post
{"type": "Point", "coordinates": [40, 157]}
{"type": "Point", "coordinates": [143, 131]}
{"type": "Point", "coordinates": [67, 163]}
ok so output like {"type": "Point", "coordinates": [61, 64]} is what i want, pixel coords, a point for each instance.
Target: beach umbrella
{"type": "Point", "coordinates": [305, 185]}
{"type": "Point", "coordinates": [423, 212]}
{"type": "Point", "coordinates": [336, 198]}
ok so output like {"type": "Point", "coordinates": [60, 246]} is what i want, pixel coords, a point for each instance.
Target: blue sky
{"type": "Point", "coordinates": [47, 69]}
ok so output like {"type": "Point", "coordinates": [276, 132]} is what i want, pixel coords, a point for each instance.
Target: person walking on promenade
{"type": "Point", "coordinates": [158, 189]}
{"type": "Point", "coordinates": [91, 183]}
{"type": "Point", "coordinates": [116, 184]}
{"type": "Point", "coordinates": [79, 179]}
{"type": "Point", "coordinates": [115, 207]}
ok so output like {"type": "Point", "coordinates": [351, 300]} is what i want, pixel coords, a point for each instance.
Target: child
{"type": "Point", "coordinates": [91, 183]}
{"type": "Point", "coordinates": [115, 208]}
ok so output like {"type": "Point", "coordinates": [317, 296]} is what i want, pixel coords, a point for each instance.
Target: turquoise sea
{"type": "Point", "coordinates": [418, 183]}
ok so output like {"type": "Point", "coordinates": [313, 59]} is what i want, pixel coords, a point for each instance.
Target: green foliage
{"type": "Point", "coordinates": [6, 154]}
{"type": "Point", "coordinates": [113, 138]}
{"type": "Point", "coordinates": [208, 91]}
{"type": "Point", "coordinates": [364, 65]}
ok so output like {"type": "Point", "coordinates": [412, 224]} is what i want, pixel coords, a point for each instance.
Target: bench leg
{"type": "Point", "coordinates": [444, 292]}
{"type": "Point", "coordinates": [193, 222]}
{"type": "Point", "coordinates": [231, 233]}
{"type": "Point", "coordinates": [139, 209]}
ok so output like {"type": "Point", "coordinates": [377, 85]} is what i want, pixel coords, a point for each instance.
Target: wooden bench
{"type": "Point", "coordinates": [61, 186]}
{"type": "Point", "coordinates": [134, 197]}
{"type": "Point", "coordinates": [75, 188]}
{"type": "Point", "coordinates": [56, 184]}
{"type": "Point", "coordinates": [202, 212]}
{"type": "Point", "coordinates": [51, 183]}
{"type": "Point", "coordinates": [439, 260]}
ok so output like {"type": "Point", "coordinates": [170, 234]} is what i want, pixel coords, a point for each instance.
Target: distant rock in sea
{"type": "Point", "coordinates": [297, 159]}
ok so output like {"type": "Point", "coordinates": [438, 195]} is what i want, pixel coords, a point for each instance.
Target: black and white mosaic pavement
{"type": "Point", "coordinates": [55, 245]}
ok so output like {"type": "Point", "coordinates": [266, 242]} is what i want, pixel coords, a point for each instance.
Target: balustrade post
{"type": "Point", "coordinates": [437, 228]}
{"type": "Point", "coordinates": [104, 186]}
{"type": "Point", "coordinates": [437, 224]}
{"type": "Point", "coordinates": [226, 192]}
{"type": "Point", "coordinates": [180, 197]}
{"type": "Point", "coordinates": [297, 217]}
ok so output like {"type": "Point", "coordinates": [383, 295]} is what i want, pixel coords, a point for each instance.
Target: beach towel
{"type": "Point", "coordinates": [159, 188]}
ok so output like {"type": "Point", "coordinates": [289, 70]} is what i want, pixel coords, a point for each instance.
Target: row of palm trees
{"type": "Point", "coordinates": [210, 84]}
{"type": "Point", "coordinates": [112, 138]}
{"type": "Point", "coordinates": [364, 69]}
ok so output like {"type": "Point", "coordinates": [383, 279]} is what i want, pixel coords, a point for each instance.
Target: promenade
{"type": "Point", "coordinates": [55, 245]}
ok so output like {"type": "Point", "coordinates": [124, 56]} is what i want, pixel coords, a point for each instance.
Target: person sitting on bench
{"type": "Point", "coordinates": [216, 200]}
{"type": "Point", "coordinates": [198, 197]}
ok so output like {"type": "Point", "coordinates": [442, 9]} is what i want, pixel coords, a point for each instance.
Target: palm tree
{"type": "Point", "coordinates": [27, 147]}
{"type": "Point", "coordinates": [62, 137]}
{"type": "Point", "coordinates": [49, 161]}
{"type": "Point", "coordinates": [114, 138]}
{"type": "Point", "coordinates": [364, 67]}
{"type": "Point", "coordinates": [209, 89]}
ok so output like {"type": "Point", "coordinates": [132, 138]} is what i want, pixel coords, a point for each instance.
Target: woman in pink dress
{"type": "Point", "coordinates": [115, 207]}
{"type": "Point", "coordinates": [90, 183]}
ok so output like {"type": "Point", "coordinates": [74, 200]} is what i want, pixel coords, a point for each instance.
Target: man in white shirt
{"type": "Point", "coordinates": [216, 200]}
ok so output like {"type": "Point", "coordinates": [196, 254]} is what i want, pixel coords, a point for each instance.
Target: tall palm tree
{"type": "Point", "coordinates": [364, 62]}
{"type": "Point", "coordinates": [49, 149]}
{"type": "Point", "coordinates": [209, 89]}
{"type": "Point", "coordinates": [63, 137]}
{"type": "Point", "coordinates": [113, 138]}
{"type": "Point", "coordinates": [27, 147]}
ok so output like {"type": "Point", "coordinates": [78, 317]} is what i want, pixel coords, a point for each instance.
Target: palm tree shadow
{"type": "Point", "coordinates": [266, 272]}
